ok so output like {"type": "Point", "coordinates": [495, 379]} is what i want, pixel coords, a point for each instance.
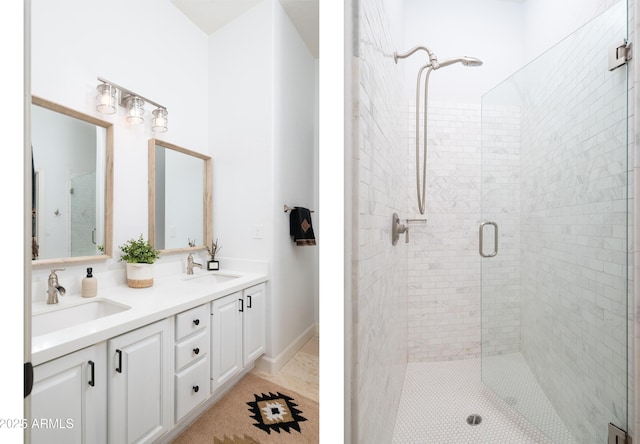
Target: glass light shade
{"type": "Point", "coordinates": [106, 99]}
{"type": "Point", "coordinates": [135, 114]}
{"type": "Point", "coordinates": [159, 122]}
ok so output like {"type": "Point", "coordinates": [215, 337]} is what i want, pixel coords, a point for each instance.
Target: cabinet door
{"type": "Point", "coordinates": [226, 339]}
{"type": "Point", "coordinates": [254, 323]}
{"type": "Point", "coordinates": [69, 399]}
{"type": "Point", "coordinates": [139, 368]}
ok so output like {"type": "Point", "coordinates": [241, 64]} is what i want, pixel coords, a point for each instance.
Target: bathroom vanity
{"type": "Point", "coordinates": [138, 365]}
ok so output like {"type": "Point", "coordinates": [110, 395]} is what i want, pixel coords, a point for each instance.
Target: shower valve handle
{"type": "Point", "coordinates": [402, 228]}
{"type": "Point", "coordinates": [397, 228]}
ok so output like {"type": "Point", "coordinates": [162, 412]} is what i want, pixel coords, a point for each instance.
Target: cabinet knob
{"type": "Point", "coordinates": [196, 321]}
{"type": "Point", "coordinates": [196, 350]}
{"type": "Point", "coordinates": [196, 388]}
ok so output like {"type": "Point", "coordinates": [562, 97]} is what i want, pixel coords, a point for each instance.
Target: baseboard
{"type": "Point", "coordinates": [273, 365]}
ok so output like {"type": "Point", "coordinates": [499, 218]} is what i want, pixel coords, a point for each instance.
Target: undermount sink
{"type": "Point", "coordinates": [63, 317]}
{"type": "Point", "coordinates": [212, 278]}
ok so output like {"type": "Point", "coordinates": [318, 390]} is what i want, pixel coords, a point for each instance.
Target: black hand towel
{"type": "Point", "coordinates": [300, 226]}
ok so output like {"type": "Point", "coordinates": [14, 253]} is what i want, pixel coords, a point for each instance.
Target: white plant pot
{"type": "Point", "coordinates": [139, 275]}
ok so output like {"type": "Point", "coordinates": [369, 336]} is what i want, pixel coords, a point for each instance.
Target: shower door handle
{"type": "Point", "coordinates": [495, 239]}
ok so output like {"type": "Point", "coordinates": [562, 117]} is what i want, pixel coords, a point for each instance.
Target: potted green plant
{"type": "Point", "coordinates": [139, 256]}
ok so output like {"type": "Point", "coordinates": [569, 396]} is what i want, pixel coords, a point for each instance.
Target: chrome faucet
{"type": "Point", "coordinates": [191, 264]}
{"type": "Point", "coordinates": [54, 288]}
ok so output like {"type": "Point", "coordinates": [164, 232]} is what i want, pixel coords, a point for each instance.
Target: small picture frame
{"type": "Point", "coordinates": [213, 265]}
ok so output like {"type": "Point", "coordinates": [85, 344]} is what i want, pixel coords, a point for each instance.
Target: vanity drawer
{"type": "Point", "coordinates": [191, 321]}
{"type": "Point", "coordinates": [192, 349]}
{"type": "Point", "coordinates": [192, 387]}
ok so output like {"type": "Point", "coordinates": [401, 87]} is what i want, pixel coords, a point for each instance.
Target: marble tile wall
{"type": "Point", "coordinates": [574, 229]}
{"type": "Point", "coordinates": [501, 200]}
{"type": "Point", "coordinates": [444, 266]}
{"type": "Point", "coordinates": [379, 281]}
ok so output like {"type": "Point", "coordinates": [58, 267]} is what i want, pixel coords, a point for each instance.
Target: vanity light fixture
{"type": "Point", "coordinates": [110, 94]}
{"type": "Point", "coordinates": [106, 99]}
{"type": "Point", "coordinates": [135, 110]}
{"type": "Point", "coordinates": [159, 122]}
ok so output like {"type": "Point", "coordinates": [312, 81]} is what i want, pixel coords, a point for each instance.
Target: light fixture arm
{"type": "Point", "coordinates": [125, 94]}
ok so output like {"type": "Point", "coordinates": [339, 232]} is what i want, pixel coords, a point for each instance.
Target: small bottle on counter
{"type": "Point", "coordinates": [89, 285]}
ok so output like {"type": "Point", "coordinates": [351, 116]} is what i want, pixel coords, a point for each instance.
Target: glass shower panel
{"type": "Point", "coordinates": [554, 182]}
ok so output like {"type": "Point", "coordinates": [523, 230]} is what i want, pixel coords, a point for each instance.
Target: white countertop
{"type": "Point", "coordinates": [167, 297]}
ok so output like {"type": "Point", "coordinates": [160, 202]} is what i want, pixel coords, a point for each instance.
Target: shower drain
{"type": "Point", "coordinates": [474, 419]}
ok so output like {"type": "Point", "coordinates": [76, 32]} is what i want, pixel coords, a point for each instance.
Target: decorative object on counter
{"type": "Point", "coordinates": [89, 285]}
{"type": "Point", "coordinates": [300, 227]}
{"type": "Point", "coordinates": [213, 264]}
{"type": "Point", "coordinates": [139, 256]}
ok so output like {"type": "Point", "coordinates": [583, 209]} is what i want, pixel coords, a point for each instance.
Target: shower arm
{"type": "Point", "coordinates": [433, 60]}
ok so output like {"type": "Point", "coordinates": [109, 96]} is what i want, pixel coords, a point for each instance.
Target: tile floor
{"type": "Point", "coordinates": [300, 374]}
{"type": "Point", "coordinates": [438, 397]}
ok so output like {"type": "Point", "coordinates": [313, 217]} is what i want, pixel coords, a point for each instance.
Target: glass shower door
{"type": "Point", "coordinates": [553, 241]}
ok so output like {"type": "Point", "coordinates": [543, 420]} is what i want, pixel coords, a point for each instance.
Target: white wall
{"type": "Point", "coordinates": [262, 87]}
{"type": "Point", "coordinates": [490, 30]}
{"type": "Point", "coordinates": [293, 287]}
{"type": "Point", "coordinates": [123, 46]}
{"type": "Point", "coordinates": [549, 21]}
{"type": "Point", "coordinates": [517, 32]}
{"type": "Point", "coordinates": [241, 132]}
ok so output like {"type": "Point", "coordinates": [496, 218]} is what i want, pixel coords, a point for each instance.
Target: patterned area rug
{"type": "Point", "coordinates": [256, 411]}
{"type": "Point", "coordinates": [276, 412]}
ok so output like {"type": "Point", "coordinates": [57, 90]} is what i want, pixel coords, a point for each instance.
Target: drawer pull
{"type": "Point", "coordinates": [196, 321]}
{"type": "Point", "coordinates": [249, 298]}
{"type": "Point", "coordinates": [196, 350]}
{"type": "Point", "coordinates": [241, 304]}
{"type": "Point", "coordinates": [196, 388]}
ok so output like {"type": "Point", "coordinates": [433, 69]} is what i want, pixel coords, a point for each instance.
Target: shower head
{"type": "Point", "coordinates": [466, 61]}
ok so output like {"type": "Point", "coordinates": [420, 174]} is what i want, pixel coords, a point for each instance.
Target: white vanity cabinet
{"type": "Point", "coordinates": [191, 382]}
{"type": "Point", "coordinates": [139, 393]}
{"type": "Point", "coordinates": [143, 377]}
{"type": "Point", "coordinates": [69, 399]}
{"type": "Point", "coordinates": [237, 333]}
{"type": "Point", "coordinates": [226, 339]}
{"type": "Point", "coordinates": [253, 323]}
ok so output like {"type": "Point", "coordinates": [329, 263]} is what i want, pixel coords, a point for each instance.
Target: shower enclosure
{"type": "Point", "coordinates": [554, 236]}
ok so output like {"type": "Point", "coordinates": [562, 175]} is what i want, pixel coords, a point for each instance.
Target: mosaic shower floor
{"type": "Point", "coordinates": [438, 397]}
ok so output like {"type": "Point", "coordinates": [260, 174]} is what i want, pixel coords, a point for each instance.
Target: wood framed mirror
{"type": "Point", "coordinates": [180, 198]}
{"type": "Point", "coordinates": [72, 185]}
